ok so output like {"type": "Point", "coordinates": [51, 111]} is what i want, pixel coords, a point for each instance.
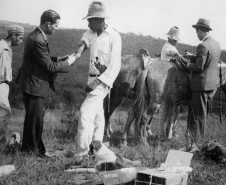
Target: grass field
{"type": "Point", "coordinates": [59, 134]}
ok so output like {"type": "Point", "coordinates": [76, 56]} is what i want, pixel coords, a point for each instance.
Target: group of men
{"type": "Point", "coordinates": [204, 77]}
{"type": "Point", "coordinates": [38, 71]}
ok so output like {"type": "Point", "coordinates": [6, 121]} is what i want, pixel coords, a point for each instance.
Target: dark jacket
{"type": "Point", "coordinates": [38, 69]}
{"type": "Point", "coordinates": [204, 68]}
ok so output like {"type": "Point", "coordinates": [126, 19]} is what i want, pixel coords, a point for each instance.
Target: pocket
{"type": "Point", "coordinates": [104, 46]}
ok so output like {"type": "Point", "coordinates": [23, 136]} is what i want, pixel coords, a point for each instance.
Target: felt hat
{"type": "Point", "coordinates": [203, 23]}
{"type": "Point", "coordinates": [96, 10]}
{"type": "Point", "coordinates": [174, 33]}
{"type": "Point", "coordinates": [15, 29]}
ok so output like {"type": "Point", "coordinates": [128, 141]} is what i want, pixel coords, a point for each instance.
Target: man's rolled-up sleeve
{"type": "Point", "coordinates": [86, 39]}
{"type": "Point", "coordinates": [110, 74]}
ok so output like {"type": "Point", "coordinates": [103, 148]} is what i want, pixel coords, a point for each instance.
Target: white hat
{"type": "Point", "coordinates": [96, 9]}
{"type": "Point", "coordinates": [174, 33]}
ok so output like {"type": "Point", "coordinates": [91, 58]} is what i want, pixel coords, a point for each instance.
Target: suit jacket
{"type": "Point", "coordinates": [38, 68]}
{"type": "Point", "coordinates": [204, 68]}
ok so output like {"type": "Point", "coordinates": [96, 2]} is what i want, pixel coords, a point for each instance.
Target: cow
{"type": "Point", "coordinates": [131, 67]}
{"type": "Point", "coordinates": [162, 85]}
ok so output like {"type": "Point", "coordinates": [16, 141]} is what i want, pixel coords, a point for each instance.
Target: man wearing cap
{"type": "Point", "coordinates": [105, 63]}
{"type": "Point", "coordinates": [169, 49]}
{"type": "Point", "coordinates": [14, 37]}
{"type": "Point", "coordinates": [36, 79]}
{"type": "Point", "coordinates": [204, 82]}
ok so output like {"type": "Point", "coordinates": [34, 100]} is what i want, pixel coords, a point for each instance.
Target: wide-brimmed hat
{"type": "Point", "coordinates": [96, 9]}
{"type": "Point", "coordinates": [174, 33]}
{"type": "Point", "coordinates": [203, 23]}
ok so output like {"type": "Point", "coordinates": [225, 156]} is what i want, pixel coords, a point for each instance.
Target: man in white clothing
{"type": "Point", "coordinates": [169, 49]}
{"type": "Point", "coordinates": [105, 63]}
{"type": "Point", "coordinates": [15, 34]}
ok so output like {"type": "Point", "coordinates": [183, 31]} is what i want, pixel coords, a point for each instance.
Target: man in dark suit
{"type": "Point", "coordinates": [204, 82]}
{"type": "Point", "coordinates": [36, 78]}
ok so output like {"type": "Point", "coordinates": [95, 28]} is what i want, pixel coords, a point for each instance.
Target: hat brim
{"type": "Point", "coordinates": [95, 16]}
{"type": "Point", "coordinates": [201, 26]}
{"type": "Point", "coordinates": [172, 37]}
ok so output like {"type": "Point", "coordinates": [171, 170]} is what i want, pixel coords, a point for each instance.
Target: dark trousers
{"type": "Point", "coordinates": [33, 124]}
{"type": "Point", "coordinates": [197, 115]}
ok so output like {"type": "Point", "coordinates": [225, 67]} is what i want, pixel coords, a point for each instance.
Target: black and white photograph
{"type": "Point", "coordinates": [112, 92]}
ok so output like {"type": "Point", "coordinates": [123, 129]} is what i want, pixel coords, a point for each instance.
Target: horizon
{"type": "Point", "coordinates": [149, 18]}
{"type": "Point", "coordinates": [60, 28]}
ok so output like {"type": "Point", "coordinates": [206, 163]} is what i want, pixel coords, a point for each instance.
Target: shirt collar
{"type": "Point", "coordinates": [44, 35]}
{"type": "Point", "coordinates": [5, 45]}
{"type": "Point", "coordinates": [205, 38]}
{"type": "Point", "coordinates": [109, 29]}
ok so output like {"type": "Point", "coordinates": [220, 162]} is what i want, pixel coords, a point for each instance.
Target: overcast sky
{"type": "Point", "coordinates": [147, 17]}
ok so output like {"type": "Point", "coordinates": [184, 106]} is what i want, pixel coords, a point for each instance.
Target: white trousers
{"type": "Point", "coordinates": [91, 123]}
{"type": "Point", "coordinates": [5, 112]}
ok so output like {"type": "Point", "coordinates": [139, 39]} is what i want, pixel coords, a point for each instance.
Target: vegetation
{"type": "Point", "coordinates": [57, 137]}
{"type": "Point", "coordinates": [62, 115]}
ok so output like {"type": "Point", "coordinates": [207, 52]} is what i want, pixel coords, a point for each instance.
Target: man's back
{"type": "Point", "coordinates": [205, 72]}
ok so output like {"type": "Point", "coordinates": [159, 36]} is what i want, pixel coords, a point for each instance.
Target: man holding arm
{"type": "Point", "coordinates": [169, 50]}
{"type": "Point", "coordinates": [36, 79]}
{"type": "Point", "coordinates": [105, 63]}
{"type": "Point", "coordinates": [204, 82]}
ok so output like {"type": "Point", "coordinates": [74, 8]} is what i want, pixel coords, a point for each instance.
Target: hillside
{"type": "Point", "coordinates": [70, 86]}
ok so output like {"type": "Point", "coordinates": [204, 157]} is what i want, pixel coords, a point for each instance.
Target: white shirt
{"type": "Point", "coordinates": [168, 51]}
{"type": "Point", "coordinates": [6, 55]}
{"type": "Point", "coordinates": [107, 48]}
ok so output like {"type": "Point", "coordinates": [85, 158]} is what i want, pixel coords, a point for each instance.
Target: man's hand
{"type": "Point", "coordinates": [188, 54]}
{"type": "Point", "coordinates": [59, 59]}
{"type": "Point", "coordinates": [101, 68]}
{"type": "Point", "coordinates": [181, 59]}
{"type": "Point", "coordinates": [92, 85]}
{"type": "Point", "coordinates": [71, 59]}
{"type": "Point", "coordinates": [185, 62]}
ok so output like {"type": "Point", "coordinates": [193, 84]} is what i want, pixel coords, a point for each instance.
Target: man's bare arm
{"type": "Point", "coordinates": [75, 56]}
{"type": "Point", "coordinates": [81, 48]}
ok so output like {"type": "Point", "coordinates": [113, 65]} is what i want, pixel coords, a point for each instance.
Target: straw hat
{"type": "Point", "coordinates": [203, 23]}
{"type": "Point", "coordinates": [174, 33]}
{"type": "Point", "coordinates": [97, 9]}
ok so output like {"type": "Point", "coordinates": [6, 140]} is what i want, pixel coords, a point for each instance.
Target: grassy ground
{"type": "Point", "coordinates": [59, 134]}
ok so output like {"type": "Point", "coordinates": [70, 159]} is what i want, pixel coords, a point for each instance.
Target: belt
{"type": "Point", "coordinates": [7, 82]}
{"type": "Point", "coordinates": [91, 75]}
